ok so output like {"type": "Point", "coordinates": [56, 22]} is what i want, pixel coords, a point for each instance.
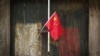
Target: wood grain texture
{"type": "Point", "coordinates": [94, 28]}
{"type": "Point", "coordinates": [4, 28]}
{"type": "Point", "coordinates": [27, 42]}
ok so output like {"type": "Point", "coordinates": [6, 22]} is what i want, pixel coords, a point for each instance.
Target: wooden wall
{"type": "Point", "coordinates": [4, 28]}
{"type": "Point", "coordinates": [94, 27]}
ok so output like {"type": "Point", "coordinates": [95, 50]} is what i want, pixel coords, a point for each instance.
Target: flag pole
{"type": "Point", "coordinates": [48, 32]}
{"type": "Point", "coordinates": [45, 24]}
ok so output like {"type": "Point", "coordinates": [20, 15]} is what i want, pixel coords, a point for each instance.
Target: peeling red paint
{"type": "Point", "coordinates": [70, 43]}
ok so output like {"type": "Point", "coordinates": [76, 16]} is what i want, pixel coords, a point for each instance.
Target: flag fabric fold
{"type": "Point", "coordinates": [54, 26]}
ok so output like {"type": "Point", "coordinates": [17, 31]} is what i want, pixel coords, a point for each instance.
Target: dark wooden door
{"type": "Point", "coordinates": [74, 18]}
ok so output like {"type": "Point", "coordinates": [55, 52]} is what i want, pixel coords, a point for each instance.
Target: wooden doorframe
{"type": "Point", "coordinates": [4, 27]}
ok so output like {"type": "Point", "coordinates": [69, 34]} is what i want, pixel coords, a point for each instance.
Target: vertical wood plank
{"type": "Point", "coordinates": [4, 27]}
{"type": "Point", "coordinates": [94, 28]}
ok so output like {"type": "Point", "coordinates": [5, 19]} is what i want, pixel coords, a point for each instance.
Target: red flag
{"type": "Point", "coordinates": [54, 26]}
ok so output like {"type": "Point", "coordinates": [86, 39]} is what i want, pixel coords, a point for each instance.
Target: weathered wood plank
{"type": "Point", "coordinates": [94, 28]}
{"type": "Point", "coordinates": [27, 42]}
{"type": "Point", "coordinates": [4, 28]}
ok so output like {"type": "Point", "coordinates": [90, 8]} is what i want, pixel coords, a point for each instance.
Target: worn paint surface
{"type": "Point", "coordinates": [73, 14]}
{"type": "Point", "coordinates": [70, 43]}
{"type": "Point", "coordinates": [27, 42]}
{"type": "Point", "coordinates": [28, 12]}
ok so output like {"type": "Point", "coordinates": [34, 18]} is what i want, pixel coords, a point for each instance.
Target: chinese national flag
{"type": "Point", "coordinates": [54, 26]}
